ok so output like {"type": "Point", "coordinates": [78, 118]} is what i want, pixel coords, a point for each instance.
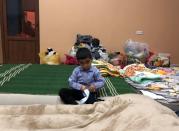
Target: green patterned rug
{"type": "Point", "coordinates": [47, 80]}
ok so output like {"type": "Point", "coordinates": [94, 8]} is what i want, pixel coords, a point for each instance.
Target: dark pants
{"type": "Point", "coordinates": [69, 96]}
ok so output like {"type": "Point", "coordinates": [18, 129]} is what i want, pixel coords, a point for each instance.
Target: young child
{"type": "Point", "coordinates": [84, 77]}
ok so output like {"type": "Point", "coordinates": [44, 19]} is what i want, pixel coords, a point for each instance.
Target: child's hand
{"type": "Point", "coordinates": [92, 88]}
{"type": "Point", "coordinates": [83, 88]}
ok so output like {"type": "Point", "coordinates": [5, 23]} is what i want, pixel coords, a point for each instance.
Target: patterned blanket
{"type": "Point", "coordinates": [162, 82]}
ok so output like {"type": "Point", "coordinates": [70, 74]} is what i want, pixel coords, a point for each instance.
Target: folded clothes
{"type": "Point", "coordinates": [130, 70]}
{"type": "Point", "coordinates": [145, 77]}
{"type": "Point", "coordinates": [136, 85]}
{"type": "Point", "coordinates": [106, 68]}
{"type": "Point", "coordinates": [158, 86]}
{"type": "Point", "coordinates": [138, 73]}
{"type": "Point", "coordinates": [160, 81]}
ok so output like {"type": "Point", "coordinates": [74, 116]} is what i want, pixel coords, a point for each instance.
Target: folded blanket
{"type": "Point", "coordinates": [120, 113]}
{"type": "Point", "coordinates": [145, 77]}
{"type": "Point", "coordinates": [160, 81]}
{"type": "Point", "coordinates": [106, 68]}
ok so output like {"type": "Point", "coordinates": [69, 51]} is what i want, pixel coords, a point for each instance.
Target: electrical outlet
{"type": "Point", "coordinates": [139, 32]}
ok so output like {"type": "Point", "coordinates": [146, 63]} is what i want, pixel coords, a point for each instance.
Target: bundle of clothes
{"type": "Point", "coordinates": [106, 69]}
{"type": "Point", "coordinates": [93, 44]}
{"type": "Point", "coordinates": [98, 52]}
{"type": "Point", "coordinates": [159, 83]}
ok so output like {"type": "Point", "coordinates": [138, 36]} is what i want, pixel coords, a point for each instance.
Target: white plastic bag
{"type": "Point", "coordinates": [136, 50]}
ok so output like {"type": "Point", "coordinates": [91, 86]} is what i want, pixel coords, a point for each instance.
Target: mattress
{"type": "Point", "coordinates": [119, 113]}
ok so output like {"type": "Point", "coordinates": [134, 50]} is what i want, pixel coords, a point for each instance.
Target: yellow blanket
{"type": "Point", "coordinates": [106, 68]}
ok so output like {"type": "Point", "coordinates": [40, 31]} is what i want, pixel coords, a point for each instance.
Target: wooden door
{"type": "Point", "coordinates": [21, 31]}
{"type": "Point", "coordinates": [1, 54]}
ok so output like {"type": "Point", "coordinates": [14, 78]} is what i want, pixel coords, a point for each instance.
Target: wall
{"type": "Point", "coordinates": [1, 57]}
{"type": "Point", "coordinates": [113, 21]}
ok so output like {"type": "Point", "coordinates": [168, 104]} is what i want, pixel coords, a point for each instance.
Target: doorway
{"type": "Point", "coordinates": [20, 22]}
{"type": "Point", "coordinates": [1, 53]}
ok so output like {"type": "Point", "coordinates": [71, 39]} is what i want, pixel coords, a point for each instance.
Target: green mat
{"type": "Point", "coordinates": [45, 79]}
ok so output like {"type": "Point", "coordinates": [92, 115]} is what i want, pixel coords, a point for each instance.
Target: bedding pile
{"type": "Point", "coordinates": [106, 68]}
{"type": "Point", "coordinates": [160, 82]}
{"type": "Point", "coordinates": [120, 113]}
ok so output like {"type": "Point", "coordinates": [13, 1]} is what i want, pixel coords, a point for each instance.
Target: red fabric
{"type": "Point", "coordinates": [151, 54]}
{"type": "Point", "coordinates": [70, 60]}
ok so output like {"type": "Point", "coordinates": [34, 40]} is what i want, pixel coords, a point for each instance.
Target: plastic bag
{"type": "Point", "coordinates": [136, 51]}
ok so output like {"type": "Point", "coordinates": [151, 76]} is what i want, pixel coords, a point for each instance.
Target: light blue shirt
{"type": "Point", "coordinates": [87, 78]}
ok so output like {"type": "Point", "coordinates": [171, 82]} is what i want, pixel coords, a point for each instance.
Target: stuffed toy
{"type": "Point", "coordinates": [50, 52]}
{"type": "Point", "coordinates": [49, 57]}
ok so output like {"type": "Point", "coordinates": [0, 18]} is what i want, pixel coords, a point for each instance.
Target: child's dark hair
{"type": "Point", "coordinates": [83, 53]}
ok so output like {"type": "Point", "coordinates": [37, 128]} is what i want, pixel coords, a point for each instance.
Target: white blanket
{"type": "Point", "coordinates": [121, 113]}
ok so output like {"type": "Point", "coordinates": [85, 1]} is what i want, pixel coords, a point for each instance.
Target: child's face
{"type": "Point", "coordinates": [85, 63]}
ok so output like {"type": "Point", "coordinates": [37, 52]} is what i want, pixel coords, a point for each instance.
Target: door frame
{"type": "Point", "coordinates": [2, 31]}
{"type": "Point", "coordinates": [5, 36]}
